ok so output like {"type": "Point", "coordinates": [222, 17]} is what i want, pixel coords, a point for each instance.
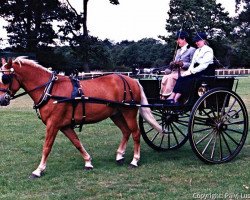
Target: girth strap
{"type": "Point", "coordinates": [77, 92]}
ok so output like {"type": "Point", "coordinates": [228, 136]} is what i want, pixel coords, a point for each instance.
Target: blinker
{"type": "Point", "coordinates": [6, 78]}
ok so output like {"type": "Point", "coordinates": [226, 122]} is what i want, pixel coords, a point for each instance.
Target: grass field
{"type": "Point", "coordinates": [175, 174]}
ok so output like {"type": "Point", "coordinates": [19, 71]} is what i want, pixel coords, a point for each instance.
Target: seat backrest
{"type": "Point", "coordinates": [151, 88]}
{"type": "Point", "coordinates": [209, 82]}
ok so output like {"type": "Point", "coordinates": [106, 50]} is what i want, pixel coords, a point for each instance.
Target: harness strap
{"type": "Point", "coordinates": [4, 90]}
{"type": "Point", "coordinates": [77, 92]}
{"type": "Point", "coordinates": [46, 93]}
{"type": "Point", "coordinates": [125, 83]}
{"type": "Point", "coordinates": [36, 88]}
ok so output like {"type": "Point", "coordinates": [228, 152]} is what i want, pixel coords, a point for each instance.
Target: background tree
{"type": "Point", "coordinates": [30, 29]}
{"type": "Point", "coordinates": [30, 26]}
{"type": "Point", "coordinates": [201, 15]}
{"type": "Point", "coordinates": [82, 44]}
{"type": "Point", "coordinates": [241, 34]}
{"type": "Point", "coordinates": [145, 53]}
{"type": "Point", "coordinates": [30, 22]}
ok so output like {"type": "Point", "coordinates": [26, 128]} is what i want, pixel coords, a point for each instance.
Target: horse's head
{"type": "Point", "coordinates": [8, 84]}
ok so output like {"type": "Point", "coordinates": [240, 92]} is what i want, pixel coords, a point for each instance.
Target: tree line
{"type": "Point", "coordinates": [31, 30]}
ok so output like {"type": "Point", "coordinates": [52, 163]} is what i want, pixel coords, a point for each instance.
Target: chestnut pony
{"type": "Point", "coordinates": [42, 86]}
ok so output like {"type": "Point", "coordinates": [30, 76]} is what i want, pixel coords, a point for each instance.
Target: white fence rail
{"type": "Point", "coordinates": [219, 72]}
{"type": "Point", "coordinates": [233, 72]}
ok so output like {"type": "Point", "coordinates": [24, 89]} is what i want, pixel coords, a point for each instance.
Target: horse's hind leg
{"type": "Point", "coordinates": [72, 136]}
{"type": "Point", "coordinates": [131, 121]}
{"type": "Point", "coordinates": [120, 122]}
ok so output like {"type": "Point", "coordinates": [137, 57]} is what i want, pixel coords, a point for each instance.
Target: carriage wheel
{"type": "Point", "coordinates": [218, 126]}
{"type": "Point", "coordinates": [175, 126]}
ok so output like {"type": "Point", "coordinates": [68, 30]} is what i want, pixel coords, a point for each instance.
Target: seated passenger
{"type": "Point", "coordinates": [180, 64]}
{"type": "Point", "coordinates": [202, 64]}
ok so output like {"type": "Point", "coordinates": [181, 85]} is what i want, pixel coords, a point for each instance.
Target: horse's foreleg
{"type": "Point", "coordinates": [51, 133]}
{"type": "Point", "coordinates": [72, 136]}
{"type": "Point", "coordinates": [119, 121]}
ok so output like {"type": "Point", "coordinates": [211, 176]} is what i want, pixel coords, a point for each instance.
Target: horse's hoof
{"type": "Point", "coordinates": [131, 166]}
{"type": "Point", "coordinates": [88, 168]}
{"type": "Point", "coordinates": [120, 162]}
{"type": "Point", "coordinates": [33, 177]}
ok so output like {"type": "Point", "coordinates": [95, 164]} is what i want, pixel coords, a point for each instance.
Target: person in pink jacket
{"type": "Point", "coordinates": [180, 64]}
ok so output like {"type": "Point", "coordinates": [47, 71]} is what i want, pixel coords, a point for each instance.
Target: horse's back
{"type": "Point", "coordinates": [112, 87]}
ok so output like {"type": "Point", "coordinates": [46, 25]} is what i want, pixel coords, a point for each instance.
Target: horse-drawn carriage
{"type": "Point", "coordinates": [213, 118]}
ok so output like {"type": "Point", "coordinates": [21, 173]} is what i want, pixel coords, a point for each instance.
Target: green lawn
{"type": "Point", "coordinates": [175, 174]}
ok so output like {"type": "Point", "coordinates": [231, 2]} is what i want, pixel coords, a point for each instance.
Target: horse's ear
{"type": "Point", "coordinates": [3, 61]}
{"type": "Point", "coordinates": [9, 64]}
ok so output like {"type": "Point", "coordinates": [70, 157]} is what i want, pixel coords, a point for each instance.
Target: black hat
{"type": "Point", "coordinates": [182, 35]}
{"type": "Point", "coordinates": [200, 36]}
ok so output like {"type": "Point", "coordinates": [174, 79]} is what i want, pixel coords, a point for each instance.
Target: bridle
{"type": "Point", "coordinates": [9, 80]}
{"type": "Point", "coordinates": [6, 79]}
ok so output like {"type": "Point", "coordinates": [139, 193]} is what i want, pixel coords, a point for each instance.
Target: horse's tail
{"type": "Point", "coordinates": [145, 112]}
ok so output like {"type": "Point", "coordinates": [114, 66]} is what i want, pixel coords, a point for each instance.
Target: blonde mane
{"type": "Point", "coordinates": [22, 60]}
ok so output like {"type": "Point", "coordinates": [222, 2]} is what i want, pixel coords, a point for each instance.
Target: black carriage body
{"type": "Point", "coordinates": [152, 89]}
{"type": "Point", "coordinates": [213, 118]}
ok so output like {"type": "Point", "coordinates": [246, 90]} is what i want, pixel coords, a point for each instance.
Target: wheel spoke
{"type": "Point", "coordinates": [229, 110]}
{"type": "Point", "coordinates": [183, 124]}
{"type": "Point", "coordinates": [213, 148]}
{"type": "Point", "coordinates": [204, 124]}
{"type": "Point", "coordinates": [205, 137]}
{"type": "Point", "coordinates": [231, 116]}
{"type": "Point", "coordinates": [231, 138]}
{"type": "Point", "coordinates": [207, 114]}
{"type": "Point", "coordinates": [162, 138]}
{"type": "Point", "coordinates": [204, 150]}
{"type": "Point", "coordinates": [155, 136]}
{"type": "Point", "coordinates": [237, 122]}
{"type": "Point", "coordinates": [169, 139]}
{"type": "Point", "coordinates": [235, 131]}
{"type": "Point", "coordinates": [179, 130]}
{"type": "Point", "coordinates": [217, 105]}
{"type": "Point", "coordinates": [177, 142]}
{"type": "Point", "coordinates": [224, 104]}
{"type": "Point", "coordinates": [149, 130]}
{"type": "Point", "coordinates": [203, 121]}
{"type": "Point", "coordinates": [221, 149]}
{"type": "Point", "coordinates": [201, 130]}
{"type": "Point", "coordinates": [199, 119]}
{"type": "Point", "coordinates": [228, 147]}
{"type": "Point", "coordinates": [157, 114]}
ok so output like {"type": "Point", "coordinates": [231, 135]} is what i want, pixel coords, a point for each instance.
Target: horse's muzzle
{"type": "Point", "coordinates": [4, 99]}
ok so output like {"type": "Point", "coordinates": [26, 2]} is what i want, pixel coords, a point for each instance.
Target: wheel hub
{"type": "Point", "coordinates": [170, 118]}
{"type": "Point", "coordinates": [220, 126]}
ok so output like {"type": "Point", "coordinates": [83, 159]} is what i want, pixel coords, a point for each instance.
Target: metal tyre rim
{"type": "Point", "coordinates": [218, 126]}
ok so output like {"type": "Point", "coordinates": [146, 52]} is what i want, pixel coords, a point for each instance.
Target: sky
{"type": "Point", "coordinates": [130, 20]}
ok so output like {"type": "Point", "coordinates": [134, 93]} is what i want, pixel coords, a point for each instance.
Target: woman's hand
{"type": "Point", "coordinates": [186, 73]}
